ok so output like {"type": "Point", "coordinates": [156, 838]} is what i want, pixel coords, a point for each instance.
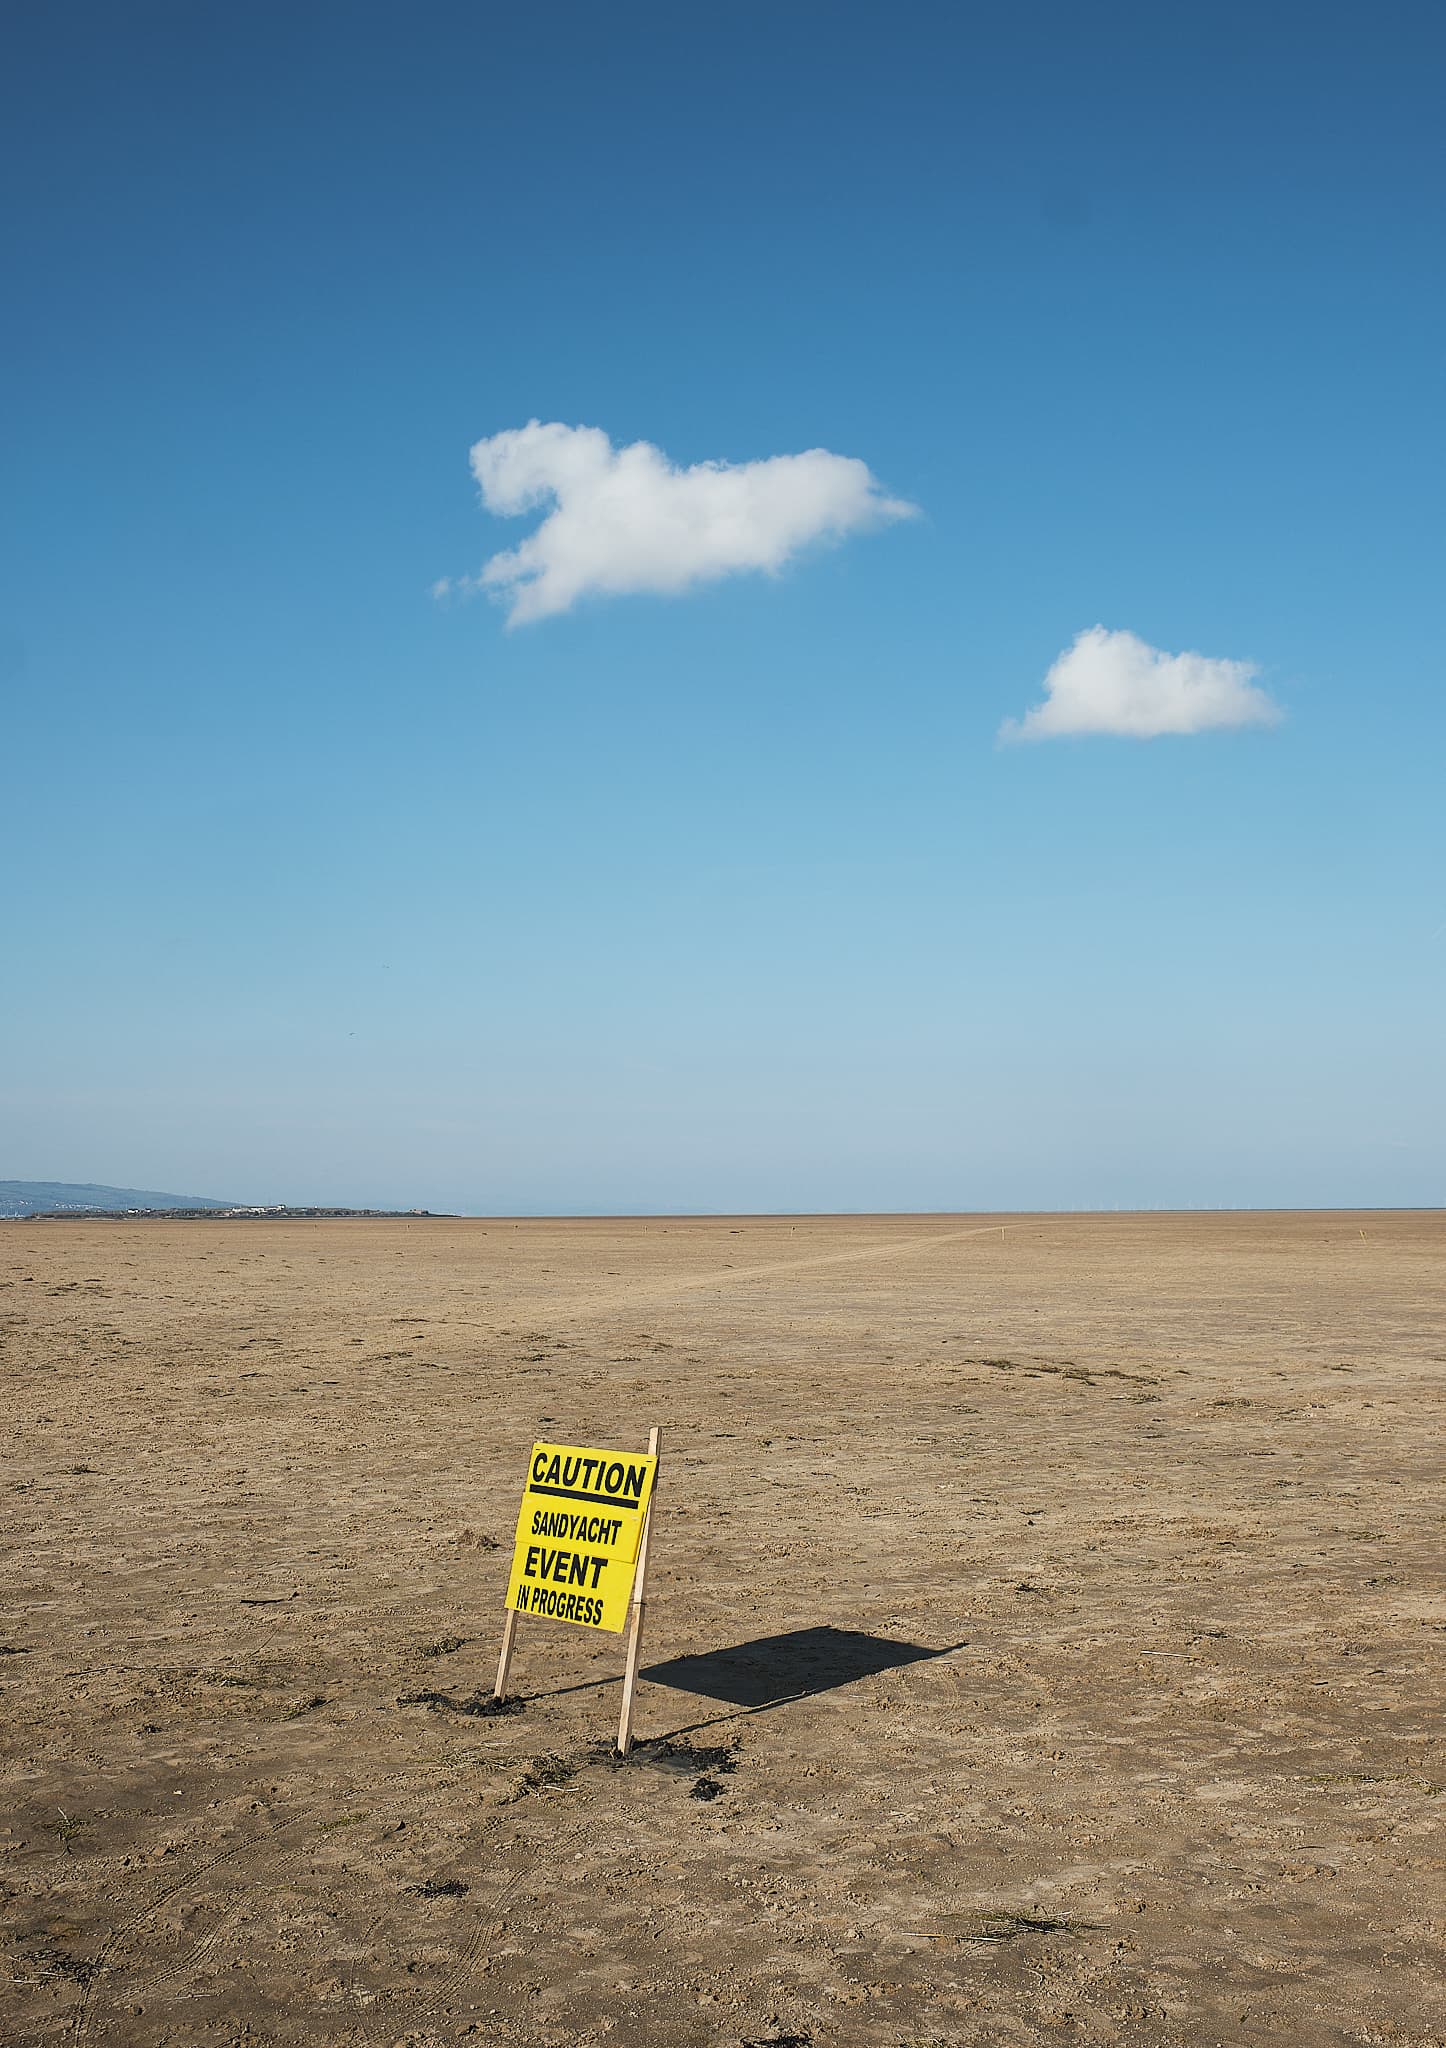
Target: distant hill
{"type": "Point", "coordinates": [37, 1197]}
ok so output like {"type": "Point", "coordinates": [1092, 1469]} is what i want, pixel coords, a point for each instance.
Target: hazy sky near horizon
{"type": "Point", "coordinates": [721, 808]}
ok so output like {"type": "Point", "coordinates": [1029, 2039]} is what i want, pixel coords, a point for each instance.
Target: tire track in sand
{"type": "Point", "coordinates": [396, 1795]}
{"type": "Point", "coordinates": [649, 1293]}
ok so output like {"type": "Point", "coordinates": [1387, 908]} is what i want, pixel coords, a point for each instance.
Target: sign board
{"type": "Point", "coordinates": [581, 1522]}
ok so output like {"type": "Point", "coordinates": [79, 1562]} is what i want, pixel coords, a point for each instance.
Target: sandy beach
{"type": "Point", "coordinates": [1043, 1640]}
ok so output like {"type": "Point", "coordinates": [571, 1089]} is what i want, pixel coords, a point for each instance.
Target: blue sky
{"type": "Point", "coordinates": [322, 887]}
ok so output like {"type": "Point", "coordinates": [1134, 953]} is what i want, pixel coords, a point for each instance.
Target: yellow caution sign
{"type": "Point", "coordinates": [578, 1533]}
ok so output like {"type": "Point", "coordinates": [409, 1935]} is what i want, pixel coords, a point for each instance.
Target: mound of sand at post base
{"type": "Point", "coordinates": [1041, 1613]}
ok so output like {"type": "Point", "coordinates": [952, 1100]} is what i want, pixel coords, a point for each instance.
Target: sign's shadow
{"type": "Point", "coordinates": [773, 1669]}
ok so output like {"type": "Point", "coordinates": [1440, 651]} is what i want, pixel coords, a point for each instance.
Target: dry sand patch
{"type": "Point", "coordinates": [1048, 1605]}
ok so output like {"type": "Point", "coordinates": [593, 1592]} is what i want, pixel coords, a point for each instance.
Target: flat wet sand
{"type": "Point", "coordinates": [1045, 1617]}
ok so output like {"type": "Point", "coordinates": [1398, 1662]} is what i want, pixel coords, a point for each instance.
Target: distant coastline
{"type": "Point", "coordinates": [62, 1201]}
{"type": "Point", "coordinates": [243, 1213]}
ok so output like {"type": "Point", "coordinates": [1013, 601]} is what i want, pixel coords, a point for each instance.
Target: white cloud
{"type": "Point", "coordinates": [626, 519]}
{"type": "Point", "coordinates": [1115, 683]}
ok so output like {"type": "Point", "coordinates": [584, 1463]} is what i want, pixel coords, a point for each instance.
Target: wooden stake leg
{"type": "Point", "coordinates": [635, 1640]}
{"type": "Point", "coordinates": [509, 1637]}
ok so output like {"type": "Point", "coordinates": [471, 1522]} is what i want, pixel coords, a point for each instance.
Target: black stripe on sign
{"type": "Point", "coordinates": [607, 1500]}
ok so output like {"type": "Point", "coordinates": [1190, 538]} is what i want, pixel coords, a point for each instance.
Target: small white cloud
{"type": "Point", "coordinates": [1115, 683]}
{"type": "Point", "coordinates": [627, 519]}
{"type": "Point", "coordinates": [442, 587]}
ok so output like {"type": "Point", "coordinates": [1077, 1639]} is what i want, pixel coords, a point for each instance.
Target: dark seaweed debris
{"type": "Point", "coordinates": [55, 1962]}
{"type": "Point", "coordinates": [1002, 1926]}
{"type": "Point", "coordinates": [683, 1757]}
{"type": "Point", "coordinates": [544, 1771]}
{"type": "Point", "coordinates": [485, 1705]}
{"type": "Point", "coordinates": [704, 1762]}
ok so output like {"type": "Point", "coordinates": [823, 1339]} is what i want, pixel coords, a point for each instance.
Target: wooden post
{"type": "Point", "coordinates": [509, 1637]}
{"type": "Point", "coordinates": [635, 1640]}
